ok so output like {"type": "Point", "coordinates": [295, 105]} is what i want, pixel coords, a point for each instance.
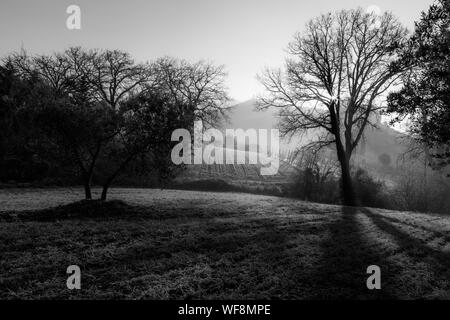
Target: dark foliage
{"type": "Point", "coordinates": [89, 116]}
{"type": "Point", "coordinates": [26, 154]}
{"type": "Point", "coordinates": [425, 96]}
{"type": "Point", "coordinates": [369, 191]}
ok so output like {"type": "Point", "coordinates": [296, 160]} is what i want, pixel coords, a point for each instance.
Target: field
{"type": "Point", "coordinates": [171, 244]}
{"type": "Point", "coordinates": [236, 177]}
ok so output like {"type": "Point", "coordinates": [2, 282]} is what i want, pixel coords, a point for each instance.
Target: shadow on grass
{"type": "Point", "coordinates": [346, 255]}
{"type": "Point", "coordinates": [214, 260]}
{"type": "Point", "coordinates": [105, 210]}
{"type": "Point", "coordinates": [198, 255]}
{"type": "Point", "coordinates": [204, 254]}
{"type": "Point", "coordinates": [416, 249]}
{"type": "Point", "coordinates": [76, 210]}
{"type": "Point", "coordinates": [253, 259]}
{"type": "Point", "coordinates": [412, 225]}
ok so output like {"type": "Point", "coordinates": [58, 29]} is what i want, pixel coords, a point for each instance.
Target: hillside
{"type": "Point", "coordinates": [376, 141]}
{"type": "Point", "coordinates": [171, 244]}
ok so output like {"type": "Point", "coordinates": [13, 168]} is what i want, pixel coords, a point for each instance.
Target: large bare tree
{"type": "Point", "coordinates": [334, 80]}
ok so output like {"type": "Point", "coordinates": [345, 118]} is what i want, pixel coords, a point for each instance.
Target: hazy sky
{"type": "Point", "coordinates": [244, 35]}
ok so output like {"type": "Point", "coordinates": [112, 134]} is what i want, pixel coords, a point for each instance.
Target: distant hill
{"type": "Point", "coordinates": [376, 142]}
{"type": "Point", "coordinates": [381, 140]}
{"type": "Point", "coordinates": [245, 116]}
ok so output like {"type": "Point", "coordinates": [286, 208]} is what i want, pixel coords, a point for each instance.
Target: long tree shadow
{"type": "Point", "coordinates": [260, 249]}
{"type": "Point", "coordinates": [192, 252]}
{"type": "Point", "coordinates": [417, 249]}
{"type": "Point", "coordinates": [240, 260]}
{"type": "Point", "coordinates": [342, 273]}
{"type": "Point", "coordinates": [434, 233]}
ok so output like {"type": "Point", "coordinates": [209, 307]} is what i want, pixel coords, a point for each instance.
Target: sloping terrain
{"type": "Point", "coordinates": [171, 244]}
{"type": "Point", "coordinates": [235, 172]}
{"type": "Point", "coordinates": [376, 141]}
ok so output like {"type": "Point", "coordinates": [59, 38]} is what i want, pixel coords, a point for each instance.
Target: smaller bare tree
{"type": "Point", "coordinates": [88, 87]}
{"type": "Point", "coordinates": [200, 85]}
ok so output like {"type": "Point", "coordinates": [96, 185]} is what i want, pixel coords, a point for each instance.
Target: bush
{"type": "Point", "coordinates": [310, 187]}
{"type": "Point", "coordinates": [422, 191]}
{"type": "Point", "coordinates": [369, 192]}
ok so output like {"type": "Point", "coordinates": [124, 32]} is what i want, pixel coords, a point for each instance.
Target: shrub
{"type": "Point", "coordinates": [369, 192]}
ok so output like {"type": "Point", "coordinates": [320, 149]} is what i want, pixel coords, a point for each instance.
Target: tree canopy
{"type": "Point", "coordinates": [424, 99]}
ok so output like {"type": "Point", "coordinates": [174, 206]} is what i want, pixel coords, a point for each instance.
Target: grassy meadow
{"type": "Point", "coordinates": [172, 244]}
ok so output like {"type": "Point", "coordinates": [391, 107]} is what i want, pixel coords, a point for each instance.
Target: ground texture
{"type": "Point", "coordinates": [169, 244]}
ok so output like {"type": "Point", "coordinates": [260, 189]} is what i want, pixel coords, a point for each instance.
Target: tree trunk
{"type": "Point", "coordinates": [348, 193]}
{"type": "Point", "coordinates": [87, 186]}
{"type": "Point", "coordinates": [114, 175]}
{"type": "Point", "coordinates": [104, 192]}
{"type": "Point", "coordinates": [87, 191]}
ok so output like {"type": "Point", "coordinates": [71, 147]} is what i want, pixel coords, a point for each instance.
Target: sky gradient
{"type": "Point", "coordinates": [245, 35]}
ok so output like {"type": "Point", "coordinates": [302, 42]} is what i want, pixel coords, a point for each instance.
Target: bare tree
{"type": "Point", "coordinates": [92, 119]}
{"type": "Point", "coordinates": [90, 86]}
{"type": "Point", "coordinates": [338, 70]}
{"type": "Point", "coordinates": [317, 167]}
{"type": "Point", "coordinates": [115, 76]}
{"type": "Point", "coordinates": [147, 122]}
{"type": "Point", "coordinates": [201, 85]}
